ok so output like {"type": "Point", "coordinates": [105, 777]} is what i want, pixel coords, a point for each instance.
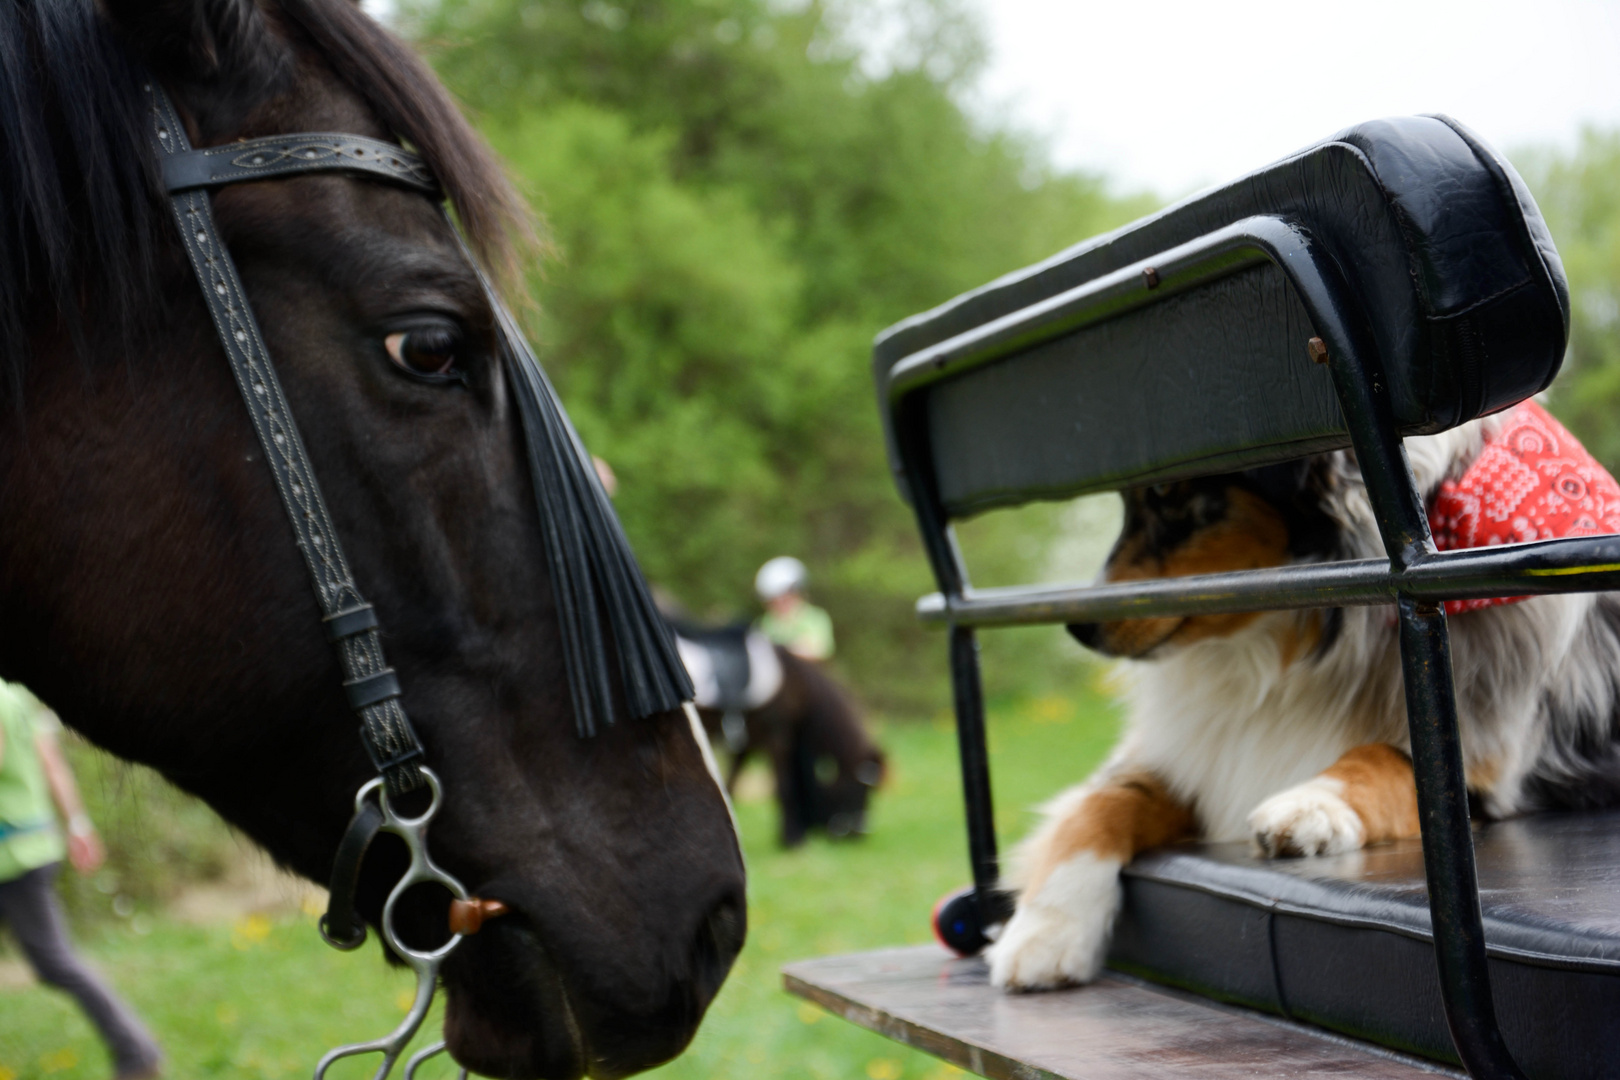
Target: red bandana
{"type": "Point", "coordinates": [1533, 481]}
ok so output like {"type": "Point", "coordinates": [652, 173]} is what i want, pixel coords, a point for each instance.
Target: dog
{"type": "Point", "coordinates": [1289, 728]}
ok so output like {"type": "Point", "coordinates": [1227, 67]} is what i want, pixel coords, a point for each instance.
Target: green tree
{"type": "Point", "coordinates": [1579, 194]}
{"type": "Point", "coordinates": [741, 196]}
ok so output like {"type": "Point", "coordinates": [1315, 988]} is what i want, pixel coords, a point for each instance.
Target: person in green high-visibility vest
{"type": "Point", "coordinates": [36, 785]}
{"type": "Point", "coordinates": [790, 620]}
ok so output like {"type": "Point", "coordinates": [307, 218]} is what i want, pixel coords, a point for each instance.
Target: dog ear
{"type": "Point", "coordinates": [1296, 489]}
{"type": "Point", "coordinates": [220, 54]}
{"type": "Point", "coordinates": [1281, 485]}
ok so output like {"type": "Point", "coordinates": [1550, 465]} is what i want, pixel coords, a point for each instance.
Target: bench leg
{"type": "Point", "coordinates": [1431, 702]}
{"type": "Point", "coordinates": [968, 691]}
{"type": "Point", "coordinates": [1448, 843]}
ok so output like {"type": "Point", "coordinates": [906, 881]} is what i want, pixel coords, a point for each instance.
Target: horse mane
{"type": "Point", "coordinates": [81, 222]}
{"type": "Point", "coordinates": [84, 216]}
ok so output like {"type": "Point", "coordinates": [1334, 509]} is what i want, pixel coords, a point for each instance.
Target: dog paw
{"type": "Point", "coordinates": [1308, 819]}
{"type": "Point", "coordinates": [1059, 936]}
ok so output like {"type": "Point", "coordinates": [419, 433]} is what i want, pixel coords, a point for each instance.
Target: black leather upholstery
{"type": "Point", "coordinates": [1436, 236]}
{"type": "Point", "coordinates": [1343, 941]}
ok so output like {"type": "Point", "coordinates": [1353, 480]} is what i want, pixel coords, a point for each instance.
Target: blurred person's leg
{"type": "Point", "coordinates": [29, 906]}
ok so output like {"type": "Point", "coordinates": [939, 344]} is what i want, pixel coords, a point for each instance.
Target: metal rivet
{"type": "Point", "coordinates": [1317, 350]}
{"type": "Point", "coordinates": [1151, 277]}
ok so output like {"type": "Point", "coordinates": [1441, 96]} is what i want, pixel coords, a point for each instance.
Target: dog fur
{"type": "Point", "coordinates": [1289, 728]}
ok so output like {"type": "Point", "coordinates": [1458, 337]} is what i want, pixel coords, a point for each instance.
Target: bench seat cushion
{"type": "Point", "coordinates": [1343, 941]}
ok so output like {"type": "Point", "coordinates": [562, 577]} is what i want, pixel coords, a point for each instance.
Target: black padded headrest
{"type": "Point", "coordinates": [1437, 237]}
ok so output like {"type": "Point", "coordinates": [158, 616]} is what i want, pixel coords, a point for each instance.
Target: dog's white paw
{"type": "Point", "coordinates": [1060, 935]}
{"type": "Point", "coordinates": [1308, 819]}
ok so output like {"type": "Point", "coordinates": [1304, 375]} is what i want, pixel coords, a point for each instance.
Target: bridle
{"type": "Point", "coordinates": [592, 569]}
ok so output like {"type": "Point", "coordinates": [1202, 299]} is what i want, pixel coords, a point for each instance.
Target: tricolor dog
{"type": "Point", "coordinates": [1289, 728]}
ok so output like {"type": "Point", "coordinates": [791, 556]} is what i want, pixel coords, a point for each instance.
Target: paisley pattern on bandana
{"type": "Point", "coordinates": [1533, 481]}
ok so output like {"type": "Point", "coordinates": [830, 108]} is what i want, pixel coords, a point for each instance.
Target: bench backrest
{"type": "Point", "coordinates": [1180, 345]}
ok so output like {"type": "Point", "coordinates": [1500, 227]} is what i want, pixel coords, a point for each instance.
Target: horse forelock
{"type": "Point", "coordinates": [409, 99]}
{"type": "Point", "coordinates": [84, 221]}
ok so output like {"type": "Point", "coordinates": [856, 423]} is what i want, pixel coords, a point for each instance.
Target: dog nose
{"type": "Point", "coordinates": [1088, 634]}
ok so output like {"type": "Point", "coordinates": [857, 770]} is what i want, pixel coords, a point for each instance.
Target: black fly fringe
{"type": "Point", "coordinates": [593, 573]}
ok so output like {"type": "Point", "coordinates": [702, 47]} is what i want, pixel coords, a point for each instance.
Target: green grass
{"type": "Point", "coordinates": [263, 1000]}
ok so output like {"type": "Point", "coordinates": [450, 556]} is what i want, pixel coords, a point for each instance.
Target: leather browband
{"type": "Point", "coordinates": [292, 155]}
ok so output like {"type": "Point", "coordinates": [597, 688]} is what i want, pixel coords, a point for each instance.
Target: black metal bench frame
{"type": "Point", "coordinates": [1416, 578]}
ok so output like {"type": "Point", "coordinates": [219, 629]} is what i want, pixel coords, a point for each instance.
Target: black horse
{"type": "Point", "coordinates": [755, 697]}
{"type": "Point", "coordinates": [151, 587]}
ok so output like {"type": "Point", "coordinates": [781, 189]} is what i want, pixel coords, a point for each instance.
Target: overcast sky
{"type": "Point", "coordinates": [1172, 95]}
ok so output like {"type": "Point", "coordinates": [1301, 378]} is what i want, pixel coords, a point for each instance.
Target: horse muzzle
{"type": "Point", "coordinates": [512, 1010]}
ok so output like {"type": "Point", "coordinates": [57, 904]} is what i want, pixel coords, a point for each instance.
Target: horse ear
{"type": "Point", "coordinates": [223, 46]}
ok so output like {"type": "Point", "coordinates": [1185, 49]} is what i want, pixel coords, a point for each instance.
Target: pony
{"type": "Point", "coordinates": [152, 588]}
{"type": "Point", "coordinates": [756, 696]}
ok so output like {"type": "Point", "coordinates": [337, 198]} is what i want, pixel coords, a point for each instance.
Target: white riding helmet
{"type": "Point", "coordinates": [780, 576]}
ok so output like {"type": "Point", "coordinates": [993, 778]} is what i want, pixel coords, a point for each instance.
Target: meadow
{"type": "Point", "coordinates": [260, 997]}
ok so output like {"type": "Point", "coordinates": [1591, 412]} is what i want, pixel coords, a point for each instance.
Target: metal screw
{"type": "Point", "coordinates": [1317, 349]}
{"type": "Point", "coordinates": [1151, 277]}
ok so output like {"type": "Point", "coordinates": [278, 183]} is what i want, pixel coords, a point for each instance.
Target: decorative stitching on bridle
{"type": "Point", "coordinates": [289, 155]}
{"type": "Point", "coordinates": [388, 735]}
{"type": "Point", "coordinates": [589, 557]}
{"type": "Point", "coordinates": [372, 687]}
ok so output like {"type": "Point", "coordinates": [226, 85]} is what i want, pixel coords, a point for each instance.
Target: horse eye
{"type": "Point", "coordinates": [427, 350]}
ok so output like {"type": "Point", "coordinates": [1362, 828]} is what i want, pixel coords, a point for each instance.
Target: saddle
{"type": "Point", "coordinates": [734, 668]}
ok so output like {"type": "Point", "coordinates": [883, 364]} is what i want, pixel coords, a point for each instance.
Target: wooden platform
{"type": "Point", "coordinates": [1113, 1029]}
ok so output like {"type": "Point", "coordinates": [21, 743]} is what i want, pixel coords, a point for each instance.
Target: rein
{"type": "Point", "coordinates": [598, 584]}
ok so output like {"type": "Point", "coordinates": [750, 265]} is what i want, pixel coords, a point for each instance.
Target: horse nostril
{"type": "Point", "coordinates": [719, 940]}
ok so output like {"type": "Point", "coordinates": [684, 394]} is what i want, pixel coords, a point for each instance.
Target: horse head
{"type": "Point", "coordinates": [153, 589]}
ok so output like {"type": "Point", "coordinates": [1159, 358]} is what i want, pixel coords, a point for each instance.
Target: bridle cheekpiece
{"type": "Point", "coordinates": [599, 589]}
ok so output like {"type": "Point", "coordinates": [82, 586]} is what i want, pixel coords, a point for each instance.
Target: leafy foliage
{"type": "Point", "coordinates": [740, 197]}
{"type": "Point", "coordinates": [1579, 193]}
